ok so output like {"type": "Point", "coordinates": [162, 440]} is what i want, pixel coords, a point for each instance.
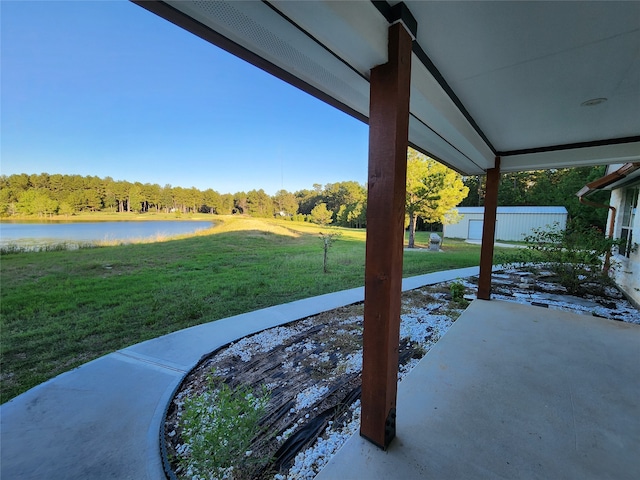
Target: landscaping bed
{"type": "Point", "coordinates": [308, 374]}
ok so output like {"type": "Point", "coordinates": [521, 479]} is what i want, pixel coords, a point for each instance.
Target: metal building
{"type": "Point", "coordinates": [512, 223]}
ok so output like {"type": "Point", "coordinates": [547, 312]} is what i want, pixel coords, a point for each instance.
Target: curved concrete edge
{"type": "Point", "coordinates": [154, 459]}
{"type": "Point", "coordinates": [103, 419]}
{"type": "Point", "coordinates": [169, 350]}
{"type": "Point", "coordinates": [91, 422]}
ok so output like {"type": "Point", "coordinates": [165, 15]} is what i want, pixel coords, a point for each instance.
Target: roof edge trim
{"type": "Point", "coordinates": [570, 146]}
{"type": "Point", "coordinates": [609, 179]}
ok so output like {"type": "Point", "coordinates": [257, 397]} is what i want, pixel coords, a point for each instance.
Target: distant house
{"type": "Point", "coordinates": [512, 223]}
{"type": "Point", "coordinates": [623, 223]}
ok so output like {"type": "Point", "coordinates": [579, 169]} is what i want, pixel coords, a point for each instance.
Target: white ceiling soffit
{"type": "Point", "coordinates": [505, 76]}
{"type": "Point", "coordinates": [522, 70]}
{"type": "Point", "coordinates": [333, 46]}
{"type": "Point", "coordinates": [437, 125]}
{"type": "Point", "coordinates": [354, 31]}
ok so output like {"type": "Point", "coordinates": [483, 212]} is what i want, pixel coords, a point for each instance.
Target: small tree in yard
{"type": "Point", "coordinates": [328, 239]}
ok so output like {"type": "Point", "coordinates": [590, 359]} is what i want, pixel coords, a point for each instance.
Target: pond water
{"type": "Point", "coordinates": [39, 234]}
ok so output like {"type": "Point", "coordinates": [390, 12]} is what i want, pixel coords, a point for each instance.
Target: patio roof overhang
{"type": "Point", "coordinates": [524, 81]}
{"type": "Point", "coordinates": [484, 87]}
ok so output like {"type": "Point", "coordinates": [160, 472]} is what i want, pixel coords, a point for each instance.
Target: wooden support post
{"type": "Point", "coordinates": [388, 142]}
{"type": "Point", "coordinates": [489, 231]}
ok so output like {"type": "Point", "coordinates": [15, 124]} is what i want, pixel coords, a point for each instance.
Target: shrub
{"type": "Point", "coordinates": [577, 256]}
{"type": "Point", "coordinates": [457, 291]}
{"type": "Point", "coordinates": [218, 427]}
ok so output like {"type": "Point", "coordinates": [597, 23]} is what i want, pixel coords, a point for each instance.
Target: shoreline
{"type": "Point", "coordinates": [110, 217]}
{"type": "Point", "coordinates": [59, 235]}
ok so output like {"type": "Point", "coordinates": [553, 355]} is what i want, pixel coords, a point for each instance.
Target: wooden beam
{"type": "Point", "coordinates": [388, 142]}
{"type": "Point", "coordinates": [489, 231]}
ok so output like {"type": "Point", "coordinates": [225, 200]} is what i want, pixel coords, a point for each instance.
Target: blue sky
{"type": "Point", "coordinates": [106, 88]}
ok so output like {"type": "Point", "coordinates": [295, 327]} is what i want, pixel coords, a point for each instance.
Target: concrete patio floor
{"type": "Point", "coordinates": [514, 391]}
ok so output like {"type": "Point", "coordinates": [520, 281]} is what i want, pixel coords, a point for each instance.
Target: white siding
{"type": "Point", "coordinates": [515, 226]}
{"type": "Point", "coordinates": [626, 270]}
{"type": "Point", "coordinates": [512, 223]}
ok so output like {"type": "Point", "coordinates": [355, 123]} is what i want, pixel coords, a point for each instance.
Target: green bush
{"type": "Point", "coordinates": [578, 256]}
{"type": "Point", "coordinates": [457, 291]}
{"type": "Point", "coordinates": [218, 427]}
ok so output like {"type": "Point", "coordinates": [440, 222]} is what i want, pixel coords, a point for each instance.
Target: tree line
{"type": "Point", "coordinates": [46, 195]}
{"type": "Point", "coordinates": [433, 192]}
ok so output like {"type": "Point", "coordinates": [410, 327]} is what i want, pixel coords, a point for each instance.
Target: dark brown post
{"type": "Point", "coordinates": [489, 231]}
{"type": "Point", "coordinates": [388, 142]}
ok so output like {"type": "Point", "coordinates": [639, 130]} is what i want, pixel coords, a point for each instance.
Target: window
{"type": "Point", "coordinates": [629, 208]}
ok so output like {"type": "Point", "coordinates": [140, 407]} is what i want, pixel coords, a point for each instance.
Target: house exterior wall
{"type": "Point", "coordinates": [626, 269]}
{"type": "Point", "coordinates": [512, 223]}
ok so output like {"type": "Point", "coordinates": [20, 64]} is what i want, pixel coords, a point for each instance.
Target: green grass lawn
{"type": "Point", "coordinates": [60, 309]}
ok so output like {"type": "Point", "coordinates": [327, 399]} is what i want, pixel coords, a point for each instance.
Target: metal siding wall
{"type": "Point", "coordinates": [509, 226]}
{"type": "Point", "coordinates": [457, 230]}
{"type": "Point", "coordinates": [514, 226]}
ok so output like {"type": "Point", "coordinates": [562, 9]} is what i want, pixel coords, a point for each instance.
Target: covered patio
{"type": "Point", "coordinates": [514, 391]}
{"type": "Point", "coordinates": [485, 88]}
